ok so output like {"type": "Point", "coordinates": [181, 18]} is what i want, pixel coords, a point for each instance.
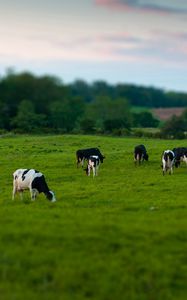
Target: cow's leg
{"type": "Point", "coordinates": [33, 194]}
{"type": "Point", "coordinates": [138, 158]}
{"type": "Point", "coordinates": [78, 162]}
{"type": "Point", "coordinates": [14, 190]}
{"type": "Point", "coordinates": [88, 170]}
{"type": "Point", "coordinates": [171, 170]}
{"type": "Point", "coordinates": [164, 169]}
{"type": "Point", "coordinates": [82, 162]}
{"type": "Point", "coordinates": [94, 171]}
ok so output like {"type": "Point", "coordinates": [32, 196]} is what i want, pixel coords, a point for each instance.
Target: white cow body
{"type": "Point", "coordinates": [30, 179]}
{"type": "Point", "coordinates": [168, 158]}
{"type": "Point", "coordinates": [93, 164]}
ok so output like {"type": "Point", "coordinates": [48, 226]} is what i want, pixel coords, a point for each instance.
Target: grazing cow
{"type": "Point", "coordinates": [140, 154]}
{"type": "Point", "coordinates": [180, 155]}
{"type": "Point", "coordinates": [32, 180]}
{"type": "Point", "coordinates": [168, 158]}
{"type": "Point", "coordinates": [93, 164]}
{"type": "Point", "coordinates": [84, 154]}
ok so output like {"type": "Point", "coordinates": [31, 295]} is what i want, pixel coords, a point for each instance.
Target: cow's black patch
{"type": "Point", "coordinates": [179, 153]}
{"type": "Point", "coordinates": [140, 153]}
{"type": "Point", "coordinates": [86, 153]}
{"type": "Point", "coordinates": [40, 184]}
{"type": "Point", "coordinates": [168, 155]}
{"type": "Point", "coordinates": [24, 173]}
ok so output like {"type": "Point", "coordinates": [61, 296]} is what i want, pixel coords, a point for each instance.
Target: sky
{"type": "Point", "coordinates": [142, 42]}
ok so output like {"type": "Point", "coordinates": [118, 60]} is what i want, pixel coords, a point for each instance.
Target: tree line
{"type": "Point", "coordinates": [30, 103]}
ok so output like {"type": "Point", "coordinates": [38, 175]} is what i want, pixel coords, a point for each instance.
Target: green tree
{"type": "Point", "coordinates": [26, 119]}
{"type": "Point", "coordinates": [87, 125]}
{"type": "Point", "coordinates": [39, 90]}
{"type": "Point", "coordinates": [144, 119]}
{"type": "Point", "coordinates": [80, 89]}
{"type": "Point", "coordinates": [105, 111]}
{"type": "Point", "coordinates": [64, 114]}
{"type": "Point", "coordinates": [174, 128]}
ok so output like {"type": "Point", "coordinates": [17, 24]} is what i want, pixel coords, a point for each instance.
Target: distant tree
{"type": "Point", "coordinates": [64, 114]}
{"type": "Point", "coordinates": [174, 128]}
{"type": "Point", "coordinates": [58, 115]}
{"type": "Point", "coordinates": [107, 112]}
{"type": "Point", "coordinates": [4, 116]}
{"type": "Point", "coordinates": [144, 119]}
{"type": "Point", "coordinates": [80, 89]}
{"type": "Point", "coordinates": [142, 96]}
{"type": "Point", "coordinates": [64, 105]}
{"type": "Point", "coordinates": [112, 124]}
{"type": "Point", "coordinates": [26, 119]}
{"type": "Point", "coordinates": [87, 125]}
{"type": "Point", "coordinates": [175, 99]}
{"type": "Point", "coordinates": [103, 89]}
{"type": "Point", "coordinates": [184, 116]}
{"type": "Point", "coordinates": [39, 90]}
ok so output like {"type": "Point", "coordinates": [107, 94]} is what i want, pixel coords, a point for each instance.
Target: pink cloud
{"type": "Point", "coordinates": [142, 6]}
{"type": "Point", "coordinates": [112, 4]}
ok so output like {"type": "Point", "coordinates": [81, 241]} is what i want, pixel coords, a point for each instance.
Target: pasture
{"type": "Point", "coordinates": [121, 235]}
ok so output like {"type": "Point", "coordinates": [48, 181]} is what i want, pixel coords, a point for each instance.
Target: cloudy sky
{"type": "Point", "coordinates": [142, 42]}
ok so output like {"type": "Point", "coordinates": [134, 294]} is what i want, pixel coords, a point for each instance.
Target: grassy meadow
{"type": "Point", "coordinates": [121, 235]}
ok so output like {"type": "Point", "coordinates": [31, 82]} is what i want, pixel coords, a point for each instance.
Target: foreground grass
{"type": "Point", "coordinates": [122, 235]}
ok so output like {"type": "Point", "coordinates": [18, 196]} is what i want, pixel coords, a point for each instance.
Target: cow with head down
{"type": "Point", "coordinates": [93, 165]}
{"type": "Point", "coordinates": [180, 155]}
{"type": "Point", "coordinates": [168, 159]}
{"type": "Point", "coordinates": [140, 154]}
{"type": "Point", "coordinates": [84, 154]}
{"type": "Point", "coordinates": [32, 180]}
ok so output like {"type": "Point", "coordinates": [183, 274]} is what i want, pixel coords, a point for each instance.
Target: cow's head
{"type": "Point", "coordinates": [101, 159]}
{"type": "Point", "coordinates": [51, 196]}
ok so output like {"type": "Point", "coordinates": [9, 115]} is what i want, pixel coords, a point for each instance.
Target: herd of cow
{"type": "Point", "coordinates": [169, 158]}
{"type": "Point", "coordinates": [34, 180]}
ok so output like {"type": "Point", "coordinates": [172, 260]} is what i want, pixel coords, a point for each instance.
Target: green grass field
{"type": "Point", "coordinates": [122, 235]}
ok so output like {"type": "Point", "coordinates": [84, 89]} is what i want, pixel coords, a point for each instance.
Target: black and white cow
{"type": "Point", "coordinates": [93, 164]}
{"type": "Point", "coordinates": [140, 154]}
{"type": "Point", "coordinates": [180, 155]}
{"type": "Point", "coordinates": [84, 154]}
{"type": "Point", "coordinates": [30, 179]}
{"type": "Point", "coordinates": [168, 159]}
